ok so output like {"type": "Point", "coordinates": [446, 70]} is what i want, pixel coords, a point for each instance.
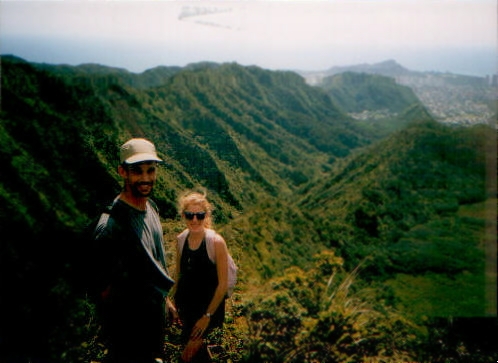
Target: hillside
{"type": "Point", "coordinates": [225, 127]}
{"type": "Point", "coordinates": [291, 175]}
{"type": "Point", "coordinates": [421, 174]}
{"type": "Point", "coordinates": [357, 92]}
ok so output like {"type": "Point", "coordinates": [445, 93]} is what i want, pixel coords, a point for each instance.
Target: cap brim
{"type": "Point", "coordinates": [138, 158]}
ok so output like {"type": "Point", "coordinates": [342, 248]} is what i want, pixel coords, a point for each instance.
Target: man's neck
{"type": "Point", "coordinates": [139, 203]}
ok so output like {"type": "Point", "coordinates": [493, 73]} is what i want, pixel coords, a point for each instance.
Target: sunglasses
{"type": "Point", "coordinates": [190, 215]}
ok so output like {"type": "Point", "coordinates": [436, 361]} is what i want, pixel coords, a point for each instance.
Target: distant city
{"type": "Point", "coordinates": [450, 98]}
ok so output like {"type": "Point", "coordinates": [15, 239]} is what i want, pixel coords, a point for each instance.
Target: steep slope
{"type": "Point", "coordinates": [416, 209]}
{"type": "Point", "coordinates": [357, 92]}
{"type": "Point", "coordinates": [425, 170]}
{"type": "Point", "coordinates": [271, 125]}
{"type": "Point", "coordinates": [263, 142]}
{"type": "Point", "coordinates": [243, 133]}
{"type": "Point", "coordinates": [247, 126]}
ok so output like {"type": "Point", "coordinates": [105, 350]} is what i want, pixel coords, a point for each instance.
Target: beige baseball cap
{"type": "Point", "coordinates": [138, 150]}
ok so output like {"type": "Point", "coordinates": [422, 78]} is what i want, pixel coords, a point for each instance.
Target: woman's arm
{"type": "Point", "coordinates": [221, 253]}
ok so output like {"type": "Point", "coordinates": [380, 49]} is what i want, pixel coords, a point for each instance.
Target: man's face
{"type": "Point", "coordinates": [140, 178]}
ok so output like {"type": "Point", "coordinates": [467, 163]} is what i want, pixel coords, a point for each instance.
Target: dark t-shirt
{"type": "Point", "coordinates": [131, 245]}
{"type": "Point", "coordinates": [134, 279]}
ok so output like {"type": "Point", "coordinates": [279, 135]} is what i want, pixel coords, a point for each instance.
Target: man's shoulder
{"type": "Point", "coordinates": [110, 219]}
{"type": "Point", "coordinates": [105, 225]}
{"type": "Point", "coordinates": [153, 205]}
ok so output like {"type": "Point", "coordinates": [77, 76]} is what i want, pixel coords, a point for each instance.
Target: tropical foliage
{"type": "Point", "coordinates": [357, 241]}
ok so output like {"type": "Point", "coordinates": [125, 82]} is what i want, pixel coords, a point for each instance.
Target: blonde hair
{"type": "Point", "coordinates": [199, 198]}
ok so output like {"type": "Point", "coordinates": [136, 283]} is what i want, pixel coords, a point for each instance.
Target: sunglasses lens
{"type": "Point", "coordinates": [190, 215]}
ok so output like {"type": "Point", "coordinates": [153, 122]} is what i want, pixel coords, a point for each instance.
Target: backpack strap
{"type": "Point", "coordinates": [153, 204]}
{"type": "Point", "coordinates": [180, 241]}
{"type": "Point", "coordinates": [210, 238]}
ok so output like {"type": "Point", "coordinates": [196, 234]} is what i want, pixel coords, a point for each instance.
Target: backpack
{"type": "Point", "coordinates": [91, 269]}
{"type": "Point", "coordinates": [210, 237]}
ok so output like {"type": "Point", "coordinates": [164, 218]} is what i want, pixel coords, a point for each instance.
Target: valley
{"type": "Point", "coordinates": [352, 235]}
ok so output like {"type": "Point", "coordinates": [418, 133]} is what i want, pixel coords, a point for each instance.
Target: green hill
{"type": "Point", "coordinates": [290, 174]}
{"type": "Point", "coordinates": [357, 92]}
{"type": "Point", "coordinates": [399, 205]}
{"type": "Point", "coordinates": [227, 128]}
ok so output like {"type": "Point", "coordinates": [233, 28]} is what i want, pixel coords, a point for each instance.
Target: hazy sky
{"type": "Point", "coordinates": [459, 36]}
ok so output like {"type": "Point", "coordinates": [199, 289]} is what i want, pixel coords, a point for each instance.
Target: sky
{"type": "Point", "coordinates": [457, 36]}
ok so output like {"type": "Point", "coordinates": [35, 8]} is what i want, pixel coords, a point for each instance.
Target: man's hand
{"type": "Point", "coordinates": [171, 311]}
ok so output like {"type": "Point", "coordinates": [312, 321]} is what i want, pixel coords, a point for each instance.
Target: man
{"type": "Point", "coordinates": [132, 267]}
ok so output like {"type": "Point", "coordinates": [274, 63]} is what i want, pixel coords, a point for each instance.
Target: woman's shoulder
{"type": "Point", "coordinates": [214, 236]}
{"type": "Point", "coordinates": [183, 235]}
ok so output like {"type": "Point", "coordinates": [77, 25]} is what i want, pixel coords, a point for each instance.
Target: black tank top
{"type": "Point", "coordinates": [198, 279]}
{"type": "Point", "coordinates": [196, 287]}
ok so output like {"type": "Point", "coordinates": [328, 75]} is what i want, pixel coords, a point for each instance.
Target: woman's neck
{"type": "Point", "coordinates": [196, 236]}
{"type": "Point", "coordinates": [195, 239]}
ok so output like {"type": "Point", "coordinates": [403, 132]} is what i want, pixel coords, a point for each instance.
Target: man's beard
{"type": "Point", "coordinates": [139, 191]}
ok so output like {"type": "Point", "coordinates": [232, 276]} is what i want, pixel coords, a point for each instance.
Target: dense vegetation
{"type": "Point", "coordinates": [357, 241]}
{"type": "Point", "coordinates": [357, 92]}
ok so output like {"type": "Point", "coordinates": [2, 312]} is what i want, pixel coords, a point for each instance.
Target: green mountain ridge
{"type": "Point", "coordinates": [424, 171]}
{"type": "Point", "coordinates": [357, 92]}
{"type": "Point", "coordinates": [290, 175]}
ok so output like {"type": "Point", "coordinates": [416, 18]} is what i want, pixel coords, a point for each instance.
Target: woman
{"type": "Point", "coordinates": [201, 283]}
